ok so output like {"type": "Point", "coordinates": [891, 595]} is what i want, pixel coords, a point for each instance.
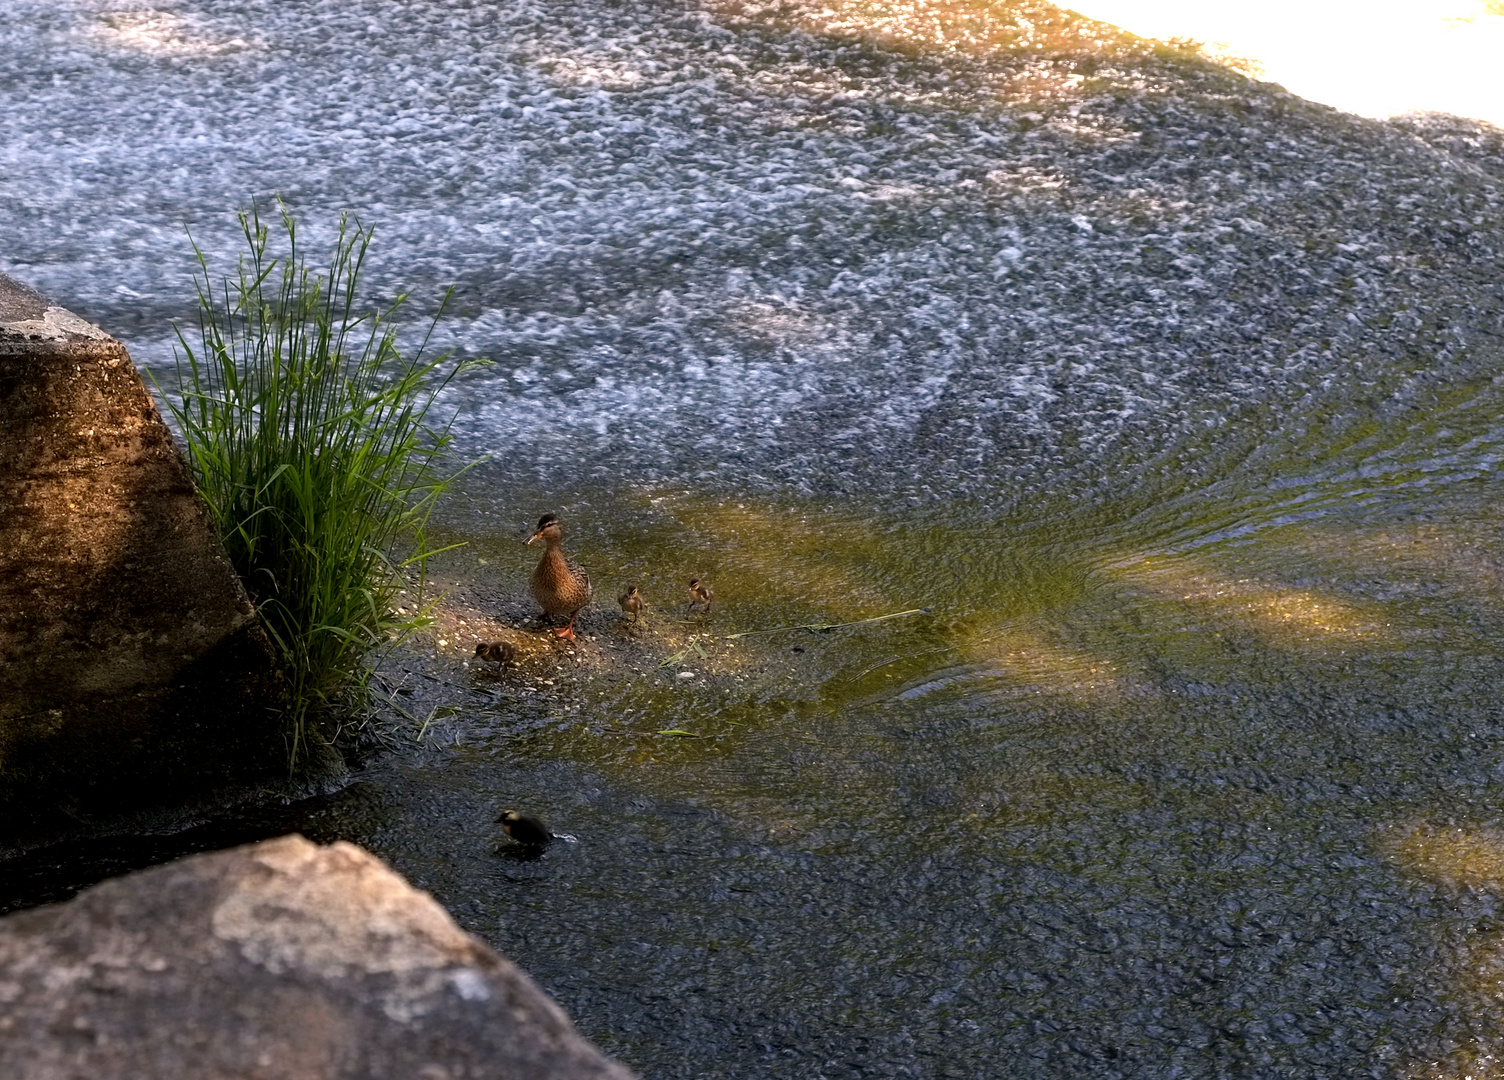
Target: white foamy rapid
{"type": "Point", "coordinates": [701, 248]}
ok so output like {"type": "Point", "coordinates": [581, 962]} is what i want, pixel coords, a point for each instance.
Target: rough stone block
{"type": "Point", "coordinates": [271, 961]}
{"type": "Point", "coordinates": [132, 669]}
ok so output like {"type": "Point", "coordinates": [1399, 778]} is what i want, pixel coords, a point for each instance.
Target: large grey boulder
{"type": "Point", "coordinates": [132, 668]}
{"type": "Point", "coordinates": [273, 961]}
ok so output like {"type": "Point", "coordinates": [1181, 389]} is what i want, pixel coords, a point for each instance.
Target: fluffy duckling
{"type": "Point", "coordinates": [524, 828]}
{"type": "Point", "coordinates": [560, 586]}
{"type": "Point", "coordinates": [699, 596]}
{"type": "Point", "coordinates": [631, 604]}
{"type": "Point", "coordinates": [499, 652]}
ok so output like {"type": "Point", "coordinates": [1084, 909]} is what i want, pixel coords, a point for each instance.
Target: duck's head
{"type": "Point", "coordinates": [550, 529]}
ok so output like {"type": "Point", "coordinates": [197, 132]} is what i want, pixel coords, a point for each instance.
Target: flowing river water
{"type": "Point", "coordinates": [1170, 399]}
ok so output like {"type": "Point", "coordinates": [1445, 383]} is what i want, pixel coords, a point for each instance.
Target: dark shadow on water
{"type": "Point", "coordinates": [57, 873]}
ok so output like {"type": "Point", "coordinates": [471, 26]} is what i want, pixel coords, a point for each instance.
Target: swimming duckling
{"type": "Point", "coordinates": [524, 828]}
{"type": "Point", "coordinates": [500, 652]}
{"type": "Point", "coordinates": [631, 604]}
{"type": "Point", "coordinates": [561, 587]}
{"type": "Point", "coordinates": [699, 595]}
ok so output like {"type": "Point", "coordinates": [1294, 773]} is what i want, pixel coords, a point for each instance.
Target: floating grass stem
{"type": "Point", "coordinates": [307, 434]}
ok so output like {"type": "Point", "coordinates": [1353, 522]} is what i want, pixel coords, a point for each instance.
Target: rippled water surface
{"type": "Point", "coordinates": [1168, 398]}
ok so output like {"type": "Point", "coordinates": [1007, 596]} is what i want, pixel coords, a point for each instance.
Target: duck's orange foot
{"type": "Point", "coordinates": [567, 633]}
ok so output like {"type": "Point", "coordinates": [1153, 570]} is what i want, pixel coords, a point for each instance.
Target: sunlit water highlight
{"type": "Point", "coordinates": [1374, 59]}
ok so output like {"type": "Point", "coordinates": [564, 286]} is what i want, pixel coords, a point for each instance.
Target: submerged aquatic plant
{"type": "Point", "coordinates": [307, 434]}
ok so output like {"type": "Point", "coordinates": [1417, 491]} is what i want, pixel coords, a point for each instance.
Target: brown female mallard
{"type": "Point", "coordinates": [560, 586]}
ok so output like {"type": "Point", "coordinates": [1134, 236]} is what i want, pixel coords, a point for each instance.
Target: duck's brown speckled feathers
{"type": "Point", "coordinates": [631, 604]}
{"type": "Point", "coordinates": [500, 652]}
{"type": "Point", "coordinates": [560, 586]}
{"type": "Point", "coordinates": [699, 595]}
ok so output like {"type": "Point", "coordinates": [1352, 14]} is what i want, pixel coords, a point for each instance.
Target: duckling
{"type": "Point", "coordinates": [561, 587]}
{"type": "Point", "coordinates": [631, 604]}
{"type": "Point", "coordinates": [524, 828]}
{"type": "Point", "coordinates": [501, 652]}
{"type": "Point", "coordinates": [699, 594]}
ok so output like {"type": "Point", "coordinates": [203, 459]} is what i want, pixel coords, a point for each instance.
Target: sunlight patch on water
{"type": "Point", "coordinates": [759, 555]}
{"type": "Point", "coordinates": [163, 33]}
{"type": "Point", "coordinates": [1458, 858]}
{"type": "Point", "coordinates": [942, 25]}
{"type": "Point", "coordinates": [1374, 59]}
{"type": "Point", "coordinates": [786, 324]}
{"type": "Point", "coordinates": [592, 70]}
{"type": "Point", "coordinates": [1031, 657]}
{"type": "Point", "coordinates": [1463, 860]}
{"type": "Point", "coordinates": [1042, 82]}
{"type": "Point", "coordinates": [1281, 615]}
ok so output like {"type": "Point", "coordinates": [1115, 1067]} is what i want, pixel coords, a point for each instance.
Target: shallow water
{"type": "Point", "coordinates": [1213, 791]}
{"type": "Point", "coordinates": [1142, 385]}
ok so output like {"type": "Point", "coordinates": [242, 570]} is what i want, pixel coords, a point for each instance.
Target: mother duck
{"type": "Point", "coordinates": [560, 586]}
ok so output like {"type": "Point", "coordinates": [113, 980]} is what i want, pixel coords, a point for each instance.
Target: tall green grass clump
{"type": "Point", "coordinates": [307, 433]}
